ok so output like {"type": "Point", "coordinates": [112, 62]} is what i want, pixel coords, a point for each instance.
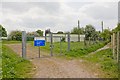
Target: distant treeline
{"type": "Point", "coordinates": [88, 31]}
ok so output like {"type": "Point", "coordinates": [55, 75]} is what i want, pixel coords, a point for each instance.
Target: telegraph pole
{"type": "Point", "coordinates": [102, 25]}
{"type": "Point", "coordinates": [78, 31]}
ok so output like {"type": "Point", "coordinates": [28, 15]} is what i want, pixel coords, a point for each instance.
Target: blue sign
{"type": "Point", "coordinates": [39, 42]}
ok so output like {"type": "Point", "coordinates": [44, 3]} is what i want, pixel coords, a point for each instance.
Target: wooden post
{"type": "Point", "coordinates": [114, 45]}
{"type": "Point", "coordinates": [119, 41]}
{"type": "Point", "coordinates": [118, 45]}
{"type": "Point", "coordinates": [111, 41]}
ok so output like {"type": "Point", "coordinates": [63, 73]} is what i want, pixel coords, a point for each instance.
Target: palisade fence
{"type": "Point", "coordinates": [115, 44]}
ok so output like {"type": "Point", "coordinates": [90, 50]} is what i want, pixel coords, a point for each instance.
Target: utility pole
{"type": "Point", "coordinates": [102, 25]}
{"type": "Point", "coordinates": [119, 12]}
{"type": "Point", "coordinates": [78, 31]}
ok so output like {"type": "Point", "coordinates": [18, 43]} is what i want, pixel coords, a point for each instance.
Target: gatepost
{"type": "Point", "coordinates": [68, 41]}
{"type": "Point", "coordinates": [60, 45]}
{"type": "Point", "coordinates": [51, 45]}
{"type": "Point", "coordinates": [24, 44]}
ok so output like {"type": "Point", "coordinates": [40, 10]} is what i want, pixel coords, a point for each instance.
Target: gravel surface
{"type": "Point", "coordinates": [54, 67]}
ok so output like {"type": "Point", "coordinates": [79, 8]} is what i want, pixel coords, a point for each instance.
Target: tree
{"type": "Point", "coordinates": [117, 28]}
{"type": "Point", "coordinates": [106, 34]}
{"type": "Point", "coordinates": [90, 31]}
{"type": "Point", "coordinates": [59, 32]}
{"type": "Point", "coordinates": [31, 35]}
{"type": "Point", "coordinates": [3, 32]}
{"type": "Point", "coordinates": [75, 30]}
{"type": "Point", "coordinates": [40, 32]}
{"type": "Point", "coordinates": [15, 35]}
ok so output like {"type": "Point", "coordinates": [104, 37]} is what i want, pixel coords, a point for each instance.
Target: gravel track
{"type": "Point", "coordinates": [54, 67]}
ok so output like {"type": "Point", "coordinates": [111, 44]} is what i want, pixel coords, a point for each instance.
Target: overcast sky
{"type": "Point", "coordinates": [58, 16]}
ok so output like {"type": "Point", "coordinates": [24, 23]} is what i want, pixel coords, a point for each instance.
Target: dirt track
{"type": "Point", "coordinates": [54, 67]}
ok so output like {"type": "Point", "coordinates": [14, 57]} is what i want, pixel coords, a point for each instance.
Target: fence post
{"type": "Point", "coordinates": [114, 45]}
{"type": "Point", "coordinates": [118, 45]}
{"type": "Point", "coordinates": [68, 41]}
{"type": "Point", "coordinates": [60, 45]}
{"type": "Point", "coordinates": [119, 41]}
{"type": "Point", "coordinates": [24, 44]}
{"type": "Point", "coordinates": [51, 45]}
{"type": "Point", "coordinates": [111, 41]}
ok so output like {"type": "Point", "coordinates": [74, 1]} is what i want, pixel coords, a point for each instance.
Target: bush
{"type": "Point", "coordinates": [63, 39]}
{"type": "Point", "coordinates": [15, 35]}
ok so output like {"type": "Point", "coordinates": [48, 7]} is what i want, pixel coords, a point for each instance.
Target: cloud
{"type": "Point", "coordinates": [31, 16]}
{"type": "Point", "coordinates": [61, 0]}
{"type": "Point", "coordinates": [103, 11]}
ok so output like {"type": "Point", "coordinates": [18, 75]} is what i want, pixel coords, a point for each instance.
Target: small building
{"type": "Point", "coordinates": [56, 37]}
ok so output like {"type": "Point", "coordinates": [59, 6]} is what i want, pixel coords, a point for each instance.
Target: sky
{"type": "Point", "coordinates": [57, 15]}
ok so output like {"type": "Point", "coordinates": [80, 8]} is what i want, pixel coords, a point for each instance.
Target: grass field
{"type": "Point", "coordinates": [77, 48]}
{"type": "Point", "coordinates": [14, 66]}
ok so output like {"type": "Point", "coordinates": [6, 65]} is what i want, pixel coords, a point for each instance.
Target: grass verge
{"type": "Point", "coordinates": [105, 61]}
{"type": "Point", "coordinates": [14, 66]}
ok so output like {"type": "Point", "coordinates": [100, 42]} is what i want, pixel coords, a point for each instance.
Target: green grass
{"type": "Point", "coordinates": [85, 50]}
{"type": "Point", "coordinates": [56, 48]}
{"type": "Point", "coordinates": [74, 45]}
{"type": "Point", "coordinates": [0, 59]}
{"type": "Point", "coordinates": [77, 48]}
{"type": "Point", "coordinates": [105, 59]}
{"type": "Point", "coordinates": [14, 66]}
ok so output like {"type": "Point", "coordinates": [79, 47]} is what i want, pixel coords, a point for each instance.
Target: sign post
{"type": "Point", "coordinates": [39, 51]}
{"type": "Point", "coordinates": [38, 42]}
